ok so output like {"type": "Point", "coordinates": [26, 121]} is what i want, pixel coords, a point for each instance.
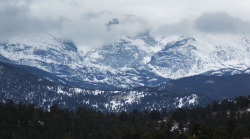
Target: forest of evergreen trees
{"type": "Point", "coordinates": [227, 119]}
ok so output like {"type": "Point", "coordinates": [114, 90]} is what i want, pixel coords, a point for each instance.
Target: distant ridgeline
{"type": "Point", "coordinates": [227, 119]}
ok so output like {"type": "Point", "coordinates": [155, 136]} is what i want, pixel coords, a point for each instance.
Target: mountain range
{"type": "Point", "coordinates": [131, 61]}
{"type": "Point", "coordinates": [134, 72]}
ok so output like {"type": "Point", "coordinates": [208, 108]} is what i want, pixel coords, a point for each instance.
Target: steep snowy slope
{"type": "Point", "coordinates": [192, 56]}
{"type": "Point", "coordinates": [132, 61]}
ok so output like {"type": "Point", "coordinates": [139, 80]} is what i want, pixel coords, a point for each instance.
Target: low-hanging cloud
{"type": "Point", "coordinates": [208, 23]}
{"type": "Point", "coordinates": [90, 25]}
{"type": "Point", "coordinates": [16, 21]}
{"type": "Point", "coordinates": [184, 27]}
{"type": "Point", "coordinates": [87, 29]}
{"type": "Point", "coordinates": [101, 29]}
{"type": "Point", "coordinates": [221, 22]}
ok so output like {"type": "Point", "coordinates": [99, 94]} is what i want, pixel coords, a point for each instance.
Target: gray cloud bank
{"type": "Point", "coordinates": [221, 22]}
{"type": "Point", "coordinates": [89, 28]}
{"type": "Point", "coordinates": [16, 20]}
{"type": "Point", "coordinates": [210, 23]}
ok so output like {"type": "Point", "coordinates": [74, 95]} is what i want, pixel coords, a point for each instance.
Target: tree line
{"type": "Point", "coordinates": [226, 119]}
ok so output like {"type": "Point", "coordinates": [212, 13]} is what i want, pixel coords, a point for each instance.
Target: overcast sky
{"type": "Point", "coordinates": [89, 23]}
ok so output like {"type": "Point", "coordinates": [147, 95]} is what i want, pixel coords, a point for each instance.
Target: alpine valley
{"type": "Point", "coordinates": [138, 72]}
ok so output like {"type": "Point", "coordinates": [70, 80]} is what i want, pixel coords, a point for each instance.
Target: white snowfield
{"type": "Point", "coordinates": [121, 64]}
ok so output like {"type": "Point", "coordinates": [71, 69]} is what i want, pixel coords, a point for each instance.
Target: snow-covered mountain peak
{"type": "Point", "coordinates": [38, 51]}
{"type": "Point", "coordinates": [45, 42]}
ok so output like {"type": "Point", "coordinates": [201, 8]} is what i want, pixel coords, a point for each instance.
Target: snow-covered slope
{"type": "Point", "coordinates": [133, 61]}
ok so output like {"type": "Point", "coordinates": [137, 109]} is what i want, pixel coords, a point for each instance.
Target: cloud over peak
{"type": "Point", "coordinates": [86, 21]}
